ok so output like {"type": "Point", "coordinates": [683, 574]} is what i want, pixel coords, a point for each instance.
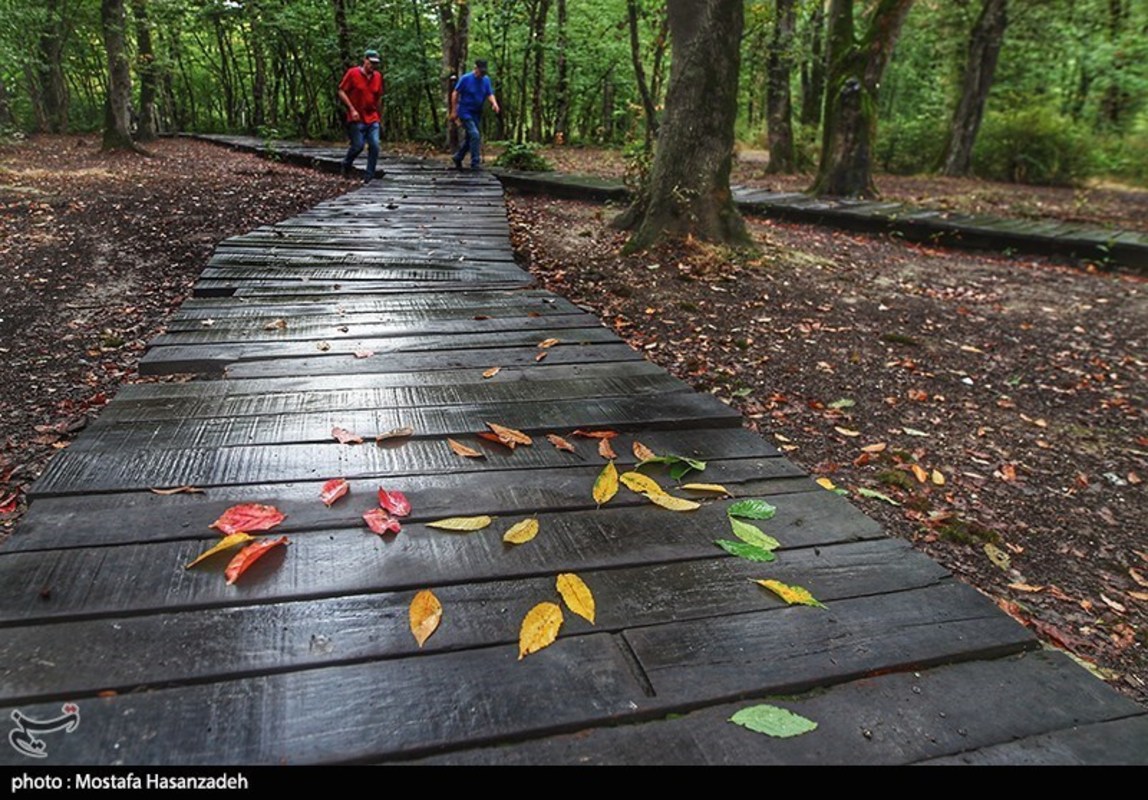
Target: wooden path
{"type": "Point", "coordinates": [309, 657]}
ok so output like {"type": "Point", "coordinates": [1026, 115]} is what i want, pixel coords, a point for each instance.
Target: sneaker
{"type": "Point", "coordinates": [457, 162]}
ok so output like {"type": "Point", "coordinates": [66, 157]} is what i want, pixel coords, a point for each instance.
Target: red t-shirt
{"type": "Point", "coordinates": [364, 93]}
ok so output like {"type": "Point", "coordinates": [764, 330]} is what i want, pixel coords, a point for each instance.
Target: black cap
{"type": "Point", "coordinates": [480, 64]}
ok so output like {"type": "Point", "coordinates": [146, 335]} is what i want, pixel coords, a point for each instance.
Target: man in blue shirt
{"type": "Point", "coordinates": [466, 102]}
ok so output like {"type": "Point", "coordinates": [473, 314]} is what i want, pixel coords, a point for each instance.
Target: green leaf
{"type": "Point", "coordinates": [751, 509]}
{"type": "Point", "coordinates": [844, 402]}
{"type": "Point", "coordinates": [773, 721]}
{"type": "Point", "coordinates": [747, 551]}
{"type": "Point", "coordinates": [743, 392]}
{"type": "Point", "coordinates": [842, 492]}
{"type": "Point", "coordinates": [679, 465]}
{"type": "Point", "coordinates": [873, 493]}
{"type": "Point", "coordinates": [680, 470]}
{"type": "Point", "coordinates": [751, 534]}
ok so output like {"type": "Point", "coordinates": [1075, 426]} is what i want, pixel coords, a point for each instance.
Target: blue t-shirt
{"type": "Point", "coordinates": [472, 93]}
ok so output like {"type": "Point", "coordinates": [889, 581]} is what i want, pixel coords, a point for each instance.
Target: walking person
{"type": "Point", "coordinates": [361, 91]}
{"type": "Point", "coordinates": [466, 103]}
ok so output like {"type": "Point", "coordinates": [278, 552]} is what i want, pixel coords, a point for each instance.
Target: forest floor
{"type": "Point", "coordinates": [1019, 383]}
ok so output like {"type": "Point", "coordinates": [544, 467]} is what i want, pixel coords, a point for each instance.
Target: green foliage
{"type": "Point", "coordinates": [1033, 145]}
{"type": "Point", "coordinates": [907, 145]}
{"type": "Point", "coordinates": [523, 156]}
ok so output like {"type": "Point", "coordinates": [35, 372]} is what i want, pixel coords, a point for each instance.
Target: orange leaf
{"type": "Point", "coordinates": [879, 447]}
{"type": "Point", "coordinates": [919, 473]}
{"type": "Point", "coordinates": [1008, 472]}
{"type": "Point", "coordinates": [493, 437]}
{"type": "Point", "coordinates": [560, 443]}
{"type": "Point", "coordinates": [490, 373]}
{"type": "Point", "coordinates": [541, 355]}
{"type": "Point", "coordinates": [605, 450]}
{"type": "Point", "coordinates": [395, 433]}
{"type": "Point", "coordinates": [345, 437]}
{"type": "Point", "coordinates": [248, 517]}
{"type": "Point", "coordinates": [425, 615]}
{"type": "Point", "coordinates": [179, 490]}
{"type": "Point", "coordinates": [546, 344]}
{"type": "Point", "coordinates": [509, 435]}
{"type": "Point", "coordinates": [248, 556]}
{"type": "Point", "coordinates": [641, 452]}
{"type": "Point", "coordinates": [463, 450]}
{"type": "Point", "coordinates": [595, 434]}
{"type": "Point", "coordinates": [333, 489]}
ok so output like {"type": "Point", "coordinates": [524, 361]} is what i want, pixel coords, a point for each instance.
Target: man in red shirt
{"type": "Point", "coordinates": [361, 91]}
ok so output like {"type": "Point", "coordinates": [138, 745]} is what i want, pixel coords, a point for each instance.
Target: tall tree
{"type": "Point", "coordinates": [538, 45]}
{"type": "Point", "coordinates": [117, 102]}
{"type": "Point", "coordinates": [644, 90]}
{"type": "Point", "coordinates": [6, 118]}
{"type": "Point", "coordinates": [980, 66]}
{"type": "Point", "coordinates": [856, 64]}
{"type": "Point", "coordinates": [50, 93]}
{"type": "Point", "coordinates": [813, 68]}
{"type": "Point", "coordinates": [562, 85]}
{"type": "Point", "coordinates": [688, 191]}
{"type": "Point", "coordinates": [454, 26]}
{"type": "Point", "coordinates": [778, 104]}
{"type": "Point", "coordinates": [342, 33]}
{"type": "Point", "coordinates": [146, 67]}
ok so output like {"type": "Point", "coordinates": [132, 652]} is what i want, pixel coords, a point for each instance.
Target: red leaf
{"type": "Point", "coordinates": [8, 504]}
{"type": "Point", "coordinates": [379, 521]}
{"type": "Point", "coordinates": [345, 437]}
{"type": "Point", "coordinates": [395, 502]}
{"type": "Point", "coordinates": [595, 434]}
{"type": "Point", "coordinates": [248, 556]}
{"type": "Point", "coordinates": [247, 518]}
{"type": "Point", "coordinates": [334, 489]}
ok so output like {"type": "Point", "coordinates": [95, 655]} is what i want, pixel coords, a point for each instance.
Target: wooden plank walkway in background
{"type": "Point", "coordinates": [309, 657]}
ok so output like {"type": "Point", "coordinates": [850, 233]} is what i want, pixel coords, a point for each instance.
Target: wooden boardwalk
{"type": "Point", "coordinates": [309, 657]}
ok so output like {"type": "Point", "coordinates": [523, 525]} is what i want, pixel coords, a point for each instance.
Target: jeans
{"type": "Point", "coordinates": [471, 143]}
{"type": "Point", "coordinates": [360, 132]}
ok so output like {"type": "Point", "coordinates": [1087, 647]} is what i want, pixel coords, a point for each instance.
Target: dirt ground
{"type": "Point", "coordinates": [992, 409]}
{"type": "Point", "coordinates": [96, 251]}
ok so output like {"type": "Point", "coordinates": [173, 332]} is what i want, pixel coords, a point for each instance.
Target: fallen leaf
{"type": "Point", "coordinates": [521, 532]}
{"type": "Point", "coordinates": [509, 435]}
{"type": "Point", "coordinates": [1136, 576]}
{"type": "Point", "coordinates": [1025, 587]}
{"type": "Point", "coordinates": [333, 489]}
{"type": "Point", "coordinates": [747, 551]}
{"type": "Point", "coordinates": [606, 450]}
{"type": "Point", "coordinates": [463, 450]}
{"type": "Point", "coordinates": [1141, 596]}
{"type": "Point", "coordinates": [248, 517]}
{"type": "Point", "coordinates": [363, 353]}
{"type": "Point", "coordinates": [1007, 472]}
{"type": "Point", "coordinates": [577, 596]}
{"type": "Point", "coordinates": [1113, 604]}
{"type": "Point", "coordinates": [541, 355]}
{"type": "Point", "coordinates": [751, 534]}
{"type": "Point", "coordinates": [641, 452]}
{"type": "Point", "coordinates": [323, 347]}
{"type": "Point", "coordinates": [752, 509]}
{"type": "Point", "coordinates": [395, 502]}
{"type": "Point", "coordinates": [773, 721]}
{"type": "Point", "coordinates": [919, 473]}
{"type": "Point", "coordinates": [560, 443]}
{"type": "Point", "coordinates": [493, 437]}
{"type": "Point", "coordinates": [379, 521]}
{"type": "Point", "coordinates": [606, 484]}
{"type": "Point", "coordinates": [248, 556]}
{"type": "Point", "coordinates": [466, 524]}
{"type": "Point", "coordinates": [847, 432]}
{"type": "Point", "coordinates": [637, 482]}
{"type": "Point", "coordinates": [8, 504]}
{"type": "Point", "coordinates": [791, 594]}
{"type": "Point", "coordinates": [595, 434]}
{"type": "Point", "coordinates": [879, 447]}
{"type": "Point", "coordinates": [395, 433]}
{"type": "Point", "coordinates": [716, 488]}
{"type": "Point", "coordinates": [490, 373]}
{"type": "Point", "coordinates": [546, 344]}
{"type": "Point", "coordinates": [425, 615]}
{"type": "Point", "coordinates": [844, 402]}
{"type": "Point", "coordinates": [1135, 479]}
{"type": "Point", "coordinates": [276, 325]}
{"type": "Point", "coordinates": [176, 490]}
{"type": "Point", "coordinates": [345, 437]}
{"type": "Point", "coordinates": [999, 557]}
{"type": "Point", "coordinates": [826, 484]}
{"type": "Point", "coordinates": [915, 432]}
{"type": "Point", "coordinates": [670, 502]}
{"type": "Point", "coordinates": [226, 543]}
{"type": "Point", "coordinates": [938, 478]}
{"type": "Point", "coordinates": [874, 494]}
{"type": "Point", "coordinates": [539, 628]}
{"type": "Point", "coordinates": [918, 396]}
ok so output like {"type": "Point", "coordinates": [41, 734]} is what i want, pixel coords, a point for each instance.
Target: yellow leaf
{"type": "Point", "coordinates": [827, 484]}
{"type": "Point", "coordinates": [606, 450]}
{"type": "Point", "coordinates": [999, 557]}
{"type": "Point", "coordinates": [794, 595]}
{"type": "Point", "coordinates": [919, 473]}
{"type": "Point", "coordinates": [461, 449]}
{"type": "Point", "coordinates": [539, 628]}
{"type": "Point", "coordinates": [490, 373]}
{"type": "Point", "coordinates": [461, 523]}
{"type": "Point", "coordinates": [641, 452]}
{"type": "Point", "coordinates": [637, 482]}
{"type": "Point", "coordinates": [577, 596]}
{"type": "Point", "coordinates": [938, 478]}
{"type": "Point", "coordinates": [707, 487]}
{"type": "Point", "coordinates": [669, 501]}
{"type": "Point", "coordinates": [521, 532]}
{"type": "Point", "coordinates": [1026, 587]}
{"type": "Point", "coordinates": [226, 543]}
{"type": "Point", "coordinates": [545, 344]}
{"type": "Point", "coordinates": [606, 484]}
{"type": "Point", "coordinates": [426, 613]}
{"type": "Point", "coordinates": [847, 432]}
{"type": "Point", "coordinates": [874, 448]}
{"type": "Point", "coordinates": [509, 435]}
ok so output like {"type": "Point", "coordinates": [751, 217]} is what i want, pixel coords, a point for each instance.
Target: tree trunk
{"type": "Point", "coordinates": [813, 70]}
{"type": "Point", "coordinates": [1116, 99]}
{"type": "Point", "coordinates": [454, 22]}
{"type": "Point", "coordinates": [343, 34]}
{"type": "Point", "coordinates": [850, 119]}
{"type": "Point", "coordinates": [688, 192]}
{"type": "Point", "coordinates": [640, 74]}
{"type": "Point", "coordinates": [778, 105]}
{"type": "Point", "coordinates": [145, 59]}
{"type": "Point", "coordinates": [52, 88]}
{"type": "Point", "coordinates": [984, 48]}
{"type": "Point", "coordinates": [6, 118]}
{"type": "Point", "coordinates": [117, 103]}
{"type": "Point", "coordinates": [538, 44]}
{"type": "Point", "coordinates": [562, 88]}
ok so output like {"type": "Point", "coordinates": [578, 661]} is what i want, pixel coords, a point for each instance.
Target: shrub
{"type": "Point", "coordinates": [910, 145]}
{"type": "Point", "coordinates": [523, 156]}
{"type": "Point", "coordinates": [1032, 145]}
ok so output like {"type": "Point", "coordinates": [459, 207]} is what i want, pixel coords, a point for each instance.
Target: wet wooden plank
{"type": "Point", "coordinates": [1121, 742]}
{"type": "Point", "coordinates": [74, 659]}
